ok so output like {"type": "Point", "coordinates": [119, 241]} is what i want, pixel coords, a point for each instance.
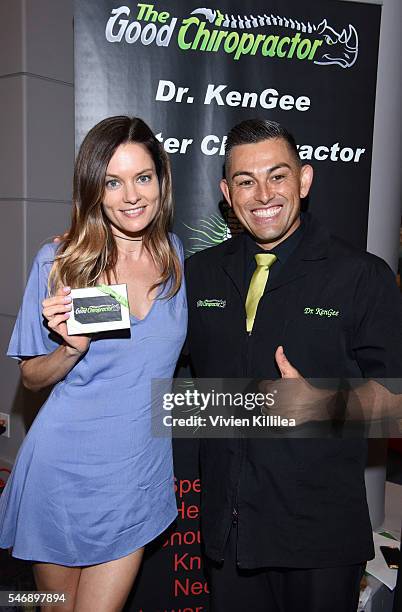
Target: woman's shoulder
{"type": "Point", "coordinates": [47, 253]}
{"type": "Point", "coordinates": [176, 241]}
{"type": "Point", "coordinates": [177, 244]}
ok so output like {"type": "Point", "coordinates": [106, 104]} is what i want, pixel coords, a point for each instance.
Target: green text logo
{"type": "Point", "coordinates": [321, 312]}
{"type": "Point", "coordinates": [211, 303]}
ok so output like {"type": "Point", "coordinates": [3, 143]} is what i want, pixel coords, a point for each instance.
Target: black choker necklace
{"type": "Point", "coordinates": [130, 239]}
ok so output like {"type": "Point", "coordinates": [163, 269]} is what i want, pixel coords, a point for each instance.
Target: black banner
{"type": "Point", "coordinates": [192, 70]}
{"type": "Point", "coordinates": [191, 74]}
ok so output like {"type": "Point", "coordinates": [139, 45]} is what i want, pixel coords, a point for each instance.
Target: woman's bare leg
{"type": "Point", "coordinates": [105, 587]}
{"type": "Point", "coordinates": [58, 578]}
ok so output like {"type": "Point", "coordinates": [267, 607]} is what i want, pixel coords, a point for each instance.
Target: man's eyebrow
{"type": "Point", "coordinates": [269, 170]}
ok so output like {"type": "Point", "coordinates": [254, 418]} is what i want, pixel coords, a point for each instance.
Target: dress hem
{"type": "Point", "coordinates": [83, 564]}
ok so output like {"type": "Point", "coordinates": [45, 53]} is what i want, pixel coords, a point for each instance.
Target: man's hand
{"type": "Point", "coordinates": [285, 367]}
{"type": "Point", "coordinates": [295, 398]}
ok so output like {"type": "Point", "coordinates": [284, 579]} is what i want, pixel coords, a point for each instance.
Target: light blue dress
{"type": "Point", "coordinates": [90, 483]}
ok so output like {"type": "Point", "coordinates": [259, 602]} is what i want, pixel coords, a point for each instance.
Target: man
{"type": "Point", "coordinates": [285, 521]}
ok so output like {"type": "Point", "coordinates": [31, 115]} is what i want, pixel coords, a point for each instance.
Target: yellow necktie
{"type": "Point", "coordinates": [257, 286]}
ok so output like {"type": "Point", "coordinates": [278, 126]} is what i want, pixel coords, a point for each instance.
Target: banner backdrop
{"type": "Point", "coordinates": [193, 69]}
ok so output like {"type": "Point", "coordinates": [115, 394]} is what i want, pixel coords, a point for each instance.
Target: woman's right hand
{"type": "Point", "coordinates": [56, 311]}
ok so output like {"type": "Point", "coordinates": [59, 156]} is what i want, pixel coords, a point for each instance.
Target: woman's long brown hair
{"type": "Point", "coordinates": [89, 251]}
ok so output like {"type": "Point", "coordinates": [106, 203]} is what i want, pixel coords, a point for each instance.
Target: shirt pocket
{"type": "Point", "coordinates": [316, 346]}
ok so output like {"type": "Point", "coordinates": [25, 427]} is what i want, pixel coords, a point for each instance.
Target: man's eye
{"type": "Point", "coordinates": [277, 177]}
{"type": "Point", "coordinates": [144, 178]}
{"type": "Point", "coordinates": [112, 183]}
{"type": "Point", "coordinates": [246, 183]}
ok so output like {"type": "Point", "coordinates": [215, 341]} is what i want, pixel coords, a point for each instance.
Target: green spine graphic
{"type": "Point", "coordinates": [211, 231]}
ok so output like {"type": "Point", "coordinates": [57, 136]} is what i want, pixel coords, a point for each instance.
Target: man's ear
{"type": "Point", "coordinates": [306, 178]}
{"type": "Point", "coordinates": [225, 190]}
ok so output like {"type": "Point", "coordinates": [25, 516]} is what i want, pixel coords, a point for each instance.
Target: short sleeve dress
{"type": "Point", "coordinates": [91, 483]}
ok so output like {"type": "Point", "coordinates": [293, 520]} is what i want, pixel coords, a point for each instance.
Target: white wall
{"type": "Point", "coordinates": [36, 162]}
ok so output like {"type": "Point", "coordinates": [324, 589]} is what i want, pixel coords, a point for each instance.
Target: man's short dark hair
{"type": "Point", "coordinates": [252, 131]}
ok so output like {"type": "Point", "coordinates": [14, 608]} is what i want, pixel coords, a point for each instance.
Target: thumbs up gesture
{"type": "Point", "coordinates": [295, 397]}
{"type": "Point", "coordinates": [285, 367]}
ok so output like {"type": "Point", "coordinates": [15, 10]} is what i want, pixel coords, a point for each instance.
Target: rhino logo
{"type": "Point", "coordinates": [337, 48]}
{"type": "Point", "coordinates": [341, 49]}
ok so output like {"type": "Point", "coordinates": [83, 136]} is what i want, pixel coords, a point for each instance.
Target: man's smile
{"type": "Point", "coordinates": [267, 212]}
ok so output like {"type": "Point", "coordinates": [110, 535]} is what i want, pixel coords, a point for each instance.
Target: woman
{"type": "Point", "coordinates": [91, 486]}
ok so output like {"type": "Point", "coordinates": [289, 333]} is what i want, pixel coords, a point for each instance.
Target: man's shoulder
{"type": "Point", "coordinates": [366, 274]}
{"type": "Point", "coordinates": [344, 258]}
{"type": "Point", "coordinates": [349, 255]}
{"type": "Point", "coordinates": [210, 255]}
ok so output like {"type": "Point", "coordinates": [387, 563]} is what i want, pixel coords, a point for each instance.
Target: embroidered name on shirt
{"type": "Point", "coordinates": [321, 312]}
{"type": "Point", "coordinates": [211, 303]}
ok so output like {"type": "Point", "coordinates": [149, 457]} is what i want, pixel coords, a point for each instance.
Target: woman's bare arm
{"type": "Point", "coordinates": [44, 370]}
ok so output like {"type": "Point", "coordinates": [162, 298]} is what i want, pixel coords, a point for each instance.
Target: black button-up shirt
{"type": "Point", "coordinates": [301, 502]}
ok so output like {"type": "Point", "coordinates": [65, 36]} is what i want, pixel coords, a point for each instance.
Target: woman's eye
{"type": "Point", "coordinates": [112, 183]}
{"type": "Point", "coordinates": [144, 178]}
